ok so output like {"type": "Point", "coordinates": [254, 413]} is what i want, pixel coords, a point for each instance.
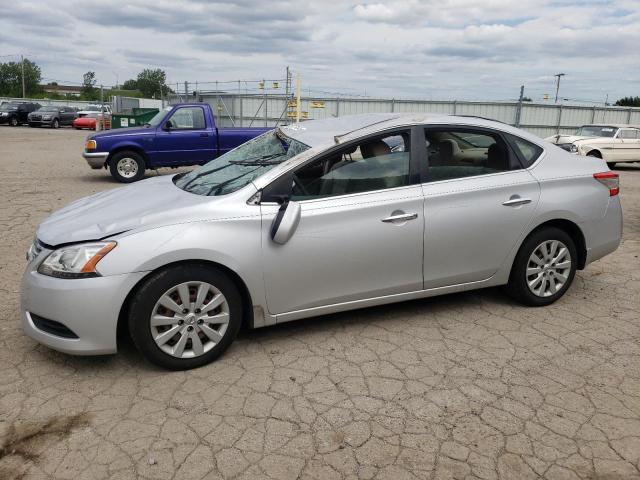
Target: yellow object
{"type": "Point", "coordinates": [292, 104]}
{"type": "Point", "coordinates": [316, 104]}
{"type": "Point", "coordinates": [91, 145]}
{"type": "Point", "coordinates": [275, 85]}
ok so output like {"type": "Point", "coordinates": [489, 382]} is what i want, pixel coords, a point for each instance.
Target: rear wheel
{"type": "Point", "coordinates": [185, 317]}
{"type": "Point", "coordinates": [544, 267]}
{"type": "Point", "coordinates": [13, 121]}
{"type": "Point", "coordinates": [127, 167]}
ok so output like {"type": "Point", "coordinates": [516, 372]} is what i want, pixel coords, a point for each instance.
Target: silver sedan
{"type": "Point", "coordinates": [309, 219]}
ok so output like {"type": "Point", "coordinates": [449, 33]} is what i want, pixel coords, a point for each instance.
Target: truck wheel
{"type": "Point", "coordinates": [127, 167]}
{"type": "Point", "coordinates": [13, 121]}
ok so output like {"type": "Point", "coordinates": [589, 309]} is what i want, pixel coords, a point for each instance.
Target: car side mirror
{"type": "Point", "coordinates": [167, 126]}
{"type": "Point", "coordinates": [286, 222]}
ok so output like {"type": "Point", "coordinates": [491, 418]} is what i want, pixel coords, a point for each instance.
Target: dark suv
{"type": "Point", "coordinates": [53, 116]}
{"type": "Point", "coordinates": [16, 113]}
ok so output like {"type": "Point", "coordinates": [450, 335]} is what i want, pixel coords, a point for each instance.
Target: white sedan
{"type": "Point", "coordinates": [612, 143]}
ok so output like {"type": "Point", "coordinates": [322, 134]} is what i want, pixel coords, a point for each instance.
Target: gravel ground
{"type": "Point", "coordinates": [463, 386]}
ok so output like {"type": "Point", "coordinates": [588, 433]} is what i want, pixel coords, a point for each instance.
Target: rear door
{"type": "Point", "coordinates": [188, 141]}
{"type": "Point", "coordinates": [478, 200]}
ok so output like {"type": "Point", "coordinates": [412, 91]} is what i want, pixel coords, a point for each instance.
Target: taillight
{"type": "Point", "coordinates": [610, 180]}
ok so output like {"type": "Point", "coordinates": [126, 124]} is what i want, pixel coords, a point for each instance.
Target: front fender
{"type": "Point", "coordinates": [234, 243]}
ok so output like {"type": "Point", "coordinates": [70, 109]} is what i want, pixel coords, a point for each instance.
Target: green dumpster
{"type": "Point", "coordinates": [133, 118]}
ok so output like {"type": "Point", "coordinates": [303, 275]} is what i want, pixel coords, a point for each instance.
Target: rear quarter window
{"type": "Point", "coordinates": [526, 151]}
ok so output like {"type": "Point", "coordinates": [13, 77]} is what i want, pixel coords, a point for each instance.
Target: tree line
{"type": "Point", "coordinates": [150, 83]}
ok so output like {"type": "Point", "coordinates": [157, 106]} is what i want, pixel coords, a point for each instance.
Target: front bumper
{"type": "Point", "coordinates": [89, 307]}
{"type": "Point", "coordinates": [40, 122]}
{"type": "Point", "coordinates": [96, 160]}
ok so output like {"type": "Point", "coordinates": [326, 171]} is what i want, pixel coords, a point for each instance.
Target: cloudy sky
{"type": "Point", "coordinates": [433, 49]}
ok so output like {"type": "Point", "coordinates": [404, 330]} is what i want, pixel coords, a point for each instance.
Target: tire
{"type": "Point", "coordinates": [166, 351]}
{"type": "Point", "coordinates": [127, 166]}
{"type": "Point", "coordinates": [611, 165]}
{"type": "Point", "coordinates": [55, 123]}
{"type": "Point", "coordinates": [13, 121]}
{"type": "Point", "coordinates": [518, 286]}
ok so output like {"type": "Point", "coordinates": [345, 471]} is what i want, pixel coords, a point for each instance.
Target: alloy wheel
{"type": "Point", "coordinates": [189, 319]}
{"type": "Point", "coordinates": [548, 268]}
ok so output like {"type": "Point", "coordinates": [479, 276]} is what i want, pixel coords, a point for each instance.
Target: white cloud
{"type": "Point", "coordinates": [466, 49]}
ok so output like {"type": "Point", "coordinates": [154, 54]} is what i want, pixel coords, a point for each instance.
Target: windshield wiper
{"type": "Point", "coordinates": [258, 161]}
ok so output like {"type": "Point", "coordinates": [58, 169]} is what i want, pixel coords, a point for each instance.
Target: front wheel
{"type": "Point", "coordinates": [55, 123]}
{"type": "Point", "coordinates": [13, 121]}
{"type": "Point", "coordinates": [126, 167]}
{"type": "Point", "coordinates": [185, 316]}
{"type": "Point", "coordinates": [544, 267]}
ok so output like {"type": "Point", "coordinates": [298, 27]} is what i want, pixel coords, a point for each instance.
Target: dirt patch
{"type": "Point", "coordinates": [24, 441]}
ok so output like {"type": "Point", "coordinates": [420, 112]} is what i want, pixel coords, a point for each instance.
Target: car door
{"type": "Point", "coordinates": [360, 231]}
{"type": "Point", "coordinates": [478, 200]}
{"type": "Point", "coordinates": [67, 115]}
{"type": "Point", "coordinates": [183, 139]}
{"type": "Point", "coordinates": [627, 147]}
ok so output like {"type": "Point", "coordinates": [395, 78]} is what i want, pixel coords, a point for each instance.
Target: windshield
{"type": "Point", "coordinates": [48, 109]}
{"type": "Point", "coordinates": [6, 107]}
{"type": "Point", "coordinates": [596, 131]}
{"type": "Point", "coordinates": [157, 118]}
{"type": "Point", "coordinates": [240, 166]}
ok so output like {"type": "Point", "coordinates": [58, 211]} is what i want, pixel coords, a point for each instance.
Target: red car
{"type": "Point", "coordinates": [89, 121]}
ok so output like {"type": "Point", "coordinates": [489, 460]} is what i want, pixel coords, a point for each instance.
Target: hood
{"type": "Point", "coordinates": [151, 202]}
{"type": "Point", "coordinates": [562, 139]}
{"type": "Point", "coordinates": [119, 132]}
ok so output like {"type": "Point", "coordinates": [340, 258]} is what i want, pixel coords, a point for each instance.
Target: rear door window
{"type": "Point", "coordinates": [457, 152]}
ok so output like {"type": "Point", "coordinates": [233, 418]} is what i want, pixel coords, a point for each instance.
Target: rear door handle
{"type": "Point", "coordinates": [514, 202]}
{"type": "Point", "coordinates": [402, 217]}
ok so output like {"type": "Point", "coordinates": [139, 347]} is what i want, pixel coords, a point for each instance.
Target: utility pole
{"type": "Point", "coordinates": [24, 94]}
{"type": "Point", "coordinates": [559, 75]}
{"type": "Point", "coordinates": [519, 109]}
{"type": "Point", "coordinates": [297, 98]}
{"type": "Point", "coordinates": [286, 85]}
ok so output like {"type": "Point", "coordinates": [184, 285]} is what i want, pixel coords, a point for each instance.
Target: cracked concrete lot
{"type": "Point", "coordinates": [466, 386]}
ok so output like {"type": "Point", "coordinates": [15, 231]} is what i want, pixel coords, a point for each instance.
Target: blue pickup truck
{"type": "Point", "coordinates": [183, 134]}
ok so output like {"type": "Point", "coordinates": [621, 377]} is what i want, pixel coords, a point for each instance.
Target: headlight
{"type": "Point", "coordinates": [75, 261]}
{"type": "Point", "coordinates": [91, 145]}
{"type": "Point", "coordinates": [573, 148]}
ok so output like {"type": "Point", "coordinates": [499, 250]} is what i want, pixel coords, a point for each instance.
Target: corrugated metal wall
{"type": "Point", "coordinates": [540, 119]}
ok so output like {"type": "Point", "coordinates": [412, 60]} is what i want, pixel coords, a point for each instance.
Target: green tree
{"type": "Point", "coordinates": [11, 78]}
{"type": "Point", "coordinates": [152, 82]}
{"type": "Point", "coordinates": [629, 102]}
{"type": "Point", "coordinates": [130, 85]}
{"type": "Point", "coordinates": [89, 90]}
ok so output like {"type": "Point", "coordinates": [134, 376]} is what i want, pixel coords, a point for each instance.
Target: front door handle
{"type": "Point", "coordinates": [516, 201]}
{"type": "Point", "coordinates": [400, 217]}
{"type": "Point", "coordinates": [204, 134]}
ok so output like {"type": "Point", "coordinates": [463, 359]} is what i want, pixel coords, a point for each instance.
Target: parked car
{"type": "Point", "coordinates": [16, 113]}
{"type": "Point", "coordinates": [613, 143]}
{"type": "Point", "coordinates": [317, 218]}
{"type": "Point", "coordinates": [53, 116]}
{"type": "Point", "coordinates": [90, 109]}
{"type": "Point", "coordinates": [89, 121]}
{"type": "Point", "coordinates": [185, 134]}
